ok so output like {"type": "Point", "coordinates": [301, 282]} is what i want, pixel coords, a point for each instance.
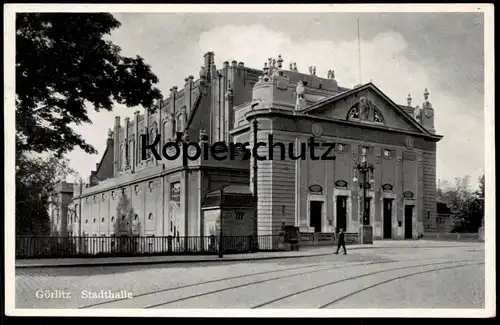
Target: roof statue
{"type": "Point", "coordinates": [280, 61]}
{"type": "Point", "coordinates": [426, 103]}
{"type": "Point", "coordinates": [300, 90]}
{"type": "Point", "coordinates": [417, 114]}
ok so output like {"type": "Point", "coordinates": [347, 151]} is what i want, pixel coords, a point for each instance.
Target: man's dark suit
{"type": "Point", "coordinates": [341, 243]}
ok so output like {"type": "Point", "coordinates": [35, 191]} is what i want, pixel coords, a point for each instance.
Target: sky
{"type": "Point", "coordinates": [401, 53]}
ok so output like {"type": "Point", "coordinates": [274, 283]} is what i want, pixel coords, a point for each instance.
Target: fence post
{"type": "Point", "coordinates": [169, 244]}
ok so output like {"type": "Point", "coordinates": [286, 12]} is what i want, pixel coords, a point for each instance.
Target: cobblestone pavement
{"type": "Point", "coordinates": [412, 276]}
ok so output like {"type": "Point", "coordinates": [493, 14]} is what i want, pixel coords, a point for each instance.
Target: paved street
{"type": "Point", "coordinates": [391, 276]}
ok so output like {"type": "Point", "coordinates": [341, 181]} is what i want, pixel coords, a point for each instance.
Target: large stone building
{"type": "Point", "coordinates": [151, 197]}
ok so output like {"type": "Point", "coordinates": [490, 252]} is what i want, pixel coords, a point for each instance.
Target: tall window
{"type": "Point", "coordinates": [175, 192]}
{"type": "Point", "coordinates": [139, 145]}
{"type": "Point", "coordinates": [130, 152]}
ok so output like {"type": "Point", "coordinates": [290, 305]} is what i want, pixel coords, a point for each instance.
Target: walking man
{"type": "Point", "coordinates": [341, 242]}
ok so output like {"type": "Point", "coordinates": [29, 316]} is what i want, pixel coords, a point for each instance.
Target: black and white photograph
{"type": "Point", "coordinates": [246, 160]}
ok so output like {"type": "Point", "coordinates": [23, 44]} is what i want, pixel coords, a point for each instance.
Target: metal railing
{"type": "Point", "coordinates": [58, 247]}
{"type": "Point", "coordinates": [325, 239]}
{"type": "Point", "coordinates": [106, 246]}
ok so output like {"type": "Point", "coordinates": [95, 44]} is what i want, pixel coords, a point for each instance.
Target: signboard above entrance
{"type": "Point", "coordinates": [387, 187]}
{"type": "Point", "coordinates": [408, 194]}
{"type": "Point", "coordinates": [315, 189]}
{"type": "Point", "coordinates": [341, 183]}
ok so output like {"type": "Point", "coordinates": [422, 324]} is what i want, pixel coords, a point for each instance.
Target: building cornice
{"type": "Point", "coordinates": [298, 115]}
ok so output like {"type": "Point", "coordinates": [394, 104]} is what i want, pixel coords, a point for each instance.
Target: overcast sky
{"type": "Point", "coordinates": [400, 52]}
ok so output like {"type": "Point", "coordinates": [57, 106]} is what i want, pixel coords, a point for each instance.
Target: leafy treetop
{"type": "Point", "coordinates": [62, 64]}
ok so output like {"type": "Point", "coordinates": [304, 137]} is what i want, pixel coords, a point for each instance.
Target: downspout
{"type": "Point", "coordinates": [163, 202]}
{"type": "Point", "coordinates": [186, 197]}
{"type": "Point", "coordinates": [80, 209]}
{"type": "Point", "coordinates": [219, 76]}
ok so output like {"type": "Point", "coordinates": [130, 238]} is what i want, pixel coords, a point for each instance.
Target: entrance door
{"type": "Point", "coordinates": [408, 221]}
{"type": "Point", "coordinates": [316, 214]}
{"type": "Point", "coordinates": [387, 218]}
{"type": "Point", "coordinates": [341, 213]}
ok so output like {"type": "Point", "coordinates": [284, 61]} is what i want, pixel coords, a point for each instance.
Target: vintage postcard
{"type": "Point", "coordinates": [238, 160]}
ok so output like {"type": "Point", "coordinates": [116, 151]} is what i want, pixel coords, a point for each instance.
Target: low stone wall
{"type": "Point", "coordinates": [452, 236]}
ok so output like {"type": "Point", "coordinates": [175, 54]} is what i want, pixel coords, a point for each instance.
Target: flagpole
{"type": "Point", "coordinates": [359, 56]}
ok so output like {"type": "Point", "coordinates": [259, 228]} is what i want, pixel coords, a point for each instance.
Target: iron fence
{"type": "Point", "coordinates": [40, 247]}
{"type": "Point", "coordinates": [59, 247]}
{"type": "Point", "coordinates": [325, 239]}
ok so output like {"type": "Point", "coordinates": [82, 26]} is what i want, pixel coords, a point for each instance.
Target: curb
{"type": "Point", "coordinates": [164, 262]}
{"type": "Point", "coordinates": [175, 261]}
{"type": "Point", "coordinates": [119, 263]}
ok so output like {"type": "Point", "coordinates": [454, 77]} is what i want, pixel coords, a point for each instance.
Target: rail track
{"type": "Point", "coordinates": [303, 271]}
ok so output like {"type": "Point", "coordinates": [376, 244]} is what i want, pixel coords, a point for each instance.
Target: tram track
{"type": "Point", "coordinates": [221, 280]}
{"type": "Point", "coordinates": [363, 276]}
{"type": "Point", "coordinates": [394, 279]}
{"type": "Point", "coordinates": [164, 303]}
{"type": "Point", "coordinates": [328, 267]}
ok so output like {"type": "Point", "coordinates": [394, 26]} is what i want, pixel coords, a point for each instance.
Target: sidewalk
{"type": "Point", "coordinates": [307, 251]}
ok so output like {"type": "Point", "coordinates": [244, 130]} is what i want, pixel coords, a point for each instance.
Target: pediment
{"type": "Point", "coordinates": [366, 105]}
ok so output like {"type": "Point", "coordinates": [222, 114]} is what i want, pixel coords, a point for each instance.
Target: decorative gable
{"type": "Point", "coordinates": [366, 105]}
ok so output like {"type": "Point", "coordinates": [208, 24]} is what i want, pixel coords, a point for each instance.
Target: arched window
{"type": "Point", "coordinates": [150, 217]}
{"type": "Point", "coordinates": [179, 123]}
{"type": "Point", "coordinates": [175, 192]}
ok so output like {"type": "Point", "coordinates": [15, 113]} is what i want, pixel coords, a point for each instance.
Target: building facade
{"type": "Point", "coordinates": [129, 195]}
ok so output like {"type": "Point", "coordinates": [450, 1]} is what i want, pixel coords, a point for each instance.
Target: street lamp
{"type": "Point", "coordinates": [255, 198]}
{"type": "Point", "coordinates": [364, 168]}
{"type": "Point", "coordinates": [221, 234]}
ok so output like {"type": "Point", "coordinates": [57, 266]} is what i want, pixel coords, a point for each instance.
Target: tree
{"type": "Point", "coordinates": [63, 63]}
{"type": "Point", "coordinates": [126, 226]}
{"type": "Point", "coordinates": [481, 192]}
{"type": "Point", "coordinates": [35, 180]}
{"type": "Point", "coordinates": [469, 204]}
{"type": "Point", "coordinates": [455, 194]}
